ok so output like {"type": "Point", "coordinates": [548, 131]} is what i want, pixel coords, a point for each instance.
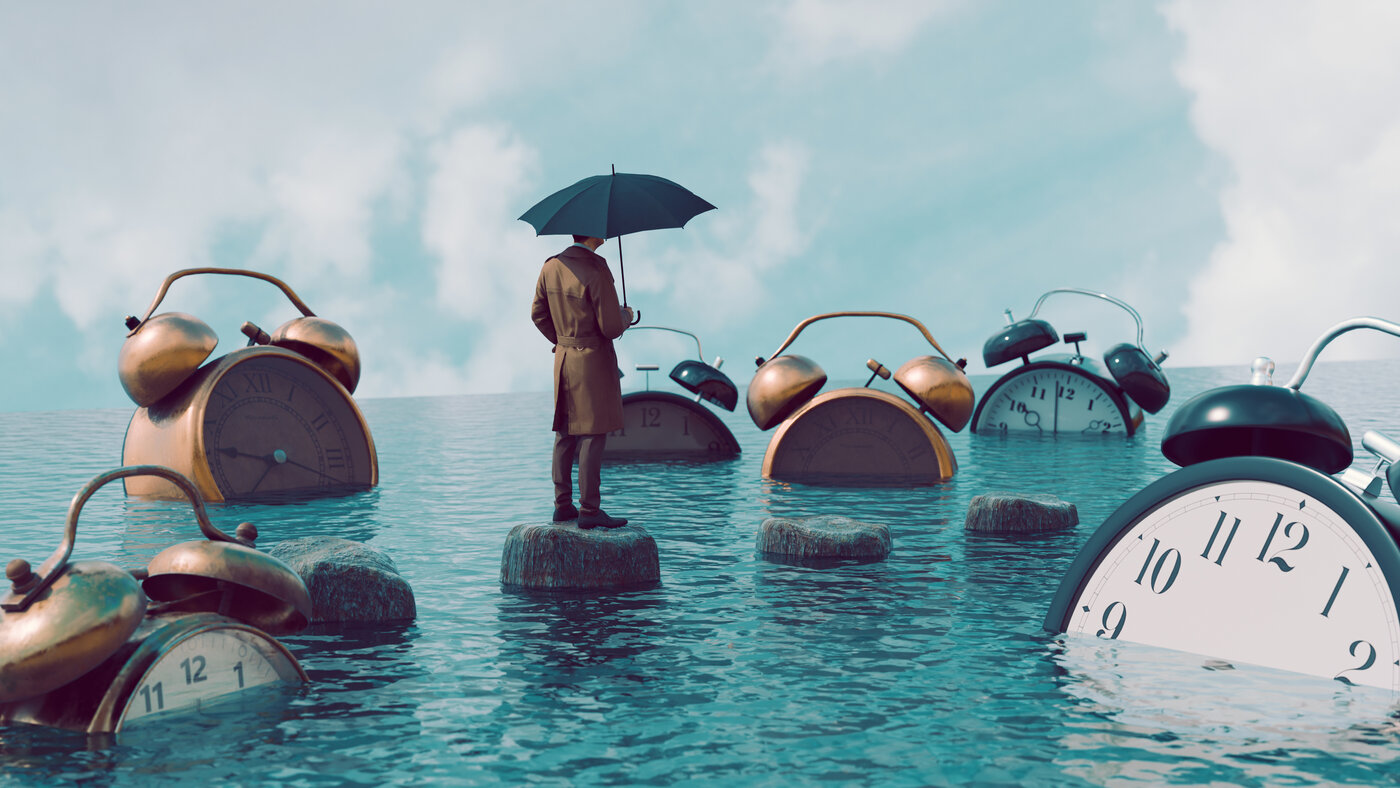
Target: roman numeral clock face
{"type": "Point", "coordinates": [1263, 571]}
{"type": "Point", "coordinates": [274, 424]}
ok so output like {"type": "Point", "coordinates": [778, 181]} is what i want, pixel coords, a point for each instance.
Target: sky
{"type": "Point", "coordinates": [1231, 169]}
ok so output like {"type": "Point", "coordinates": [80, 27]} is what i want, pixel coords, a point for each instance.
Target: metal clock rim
{"type": "Point", "coordinates": [1364, 520]}
{"type": "Point", "coordinates": [711, 420]}
{"type": "Point", "coordinates": [1131, 421]}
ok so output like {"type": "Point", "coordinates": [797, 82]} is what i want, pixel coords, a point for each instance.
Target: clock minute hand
{"type": "Point", "coordinates": [233, 452]}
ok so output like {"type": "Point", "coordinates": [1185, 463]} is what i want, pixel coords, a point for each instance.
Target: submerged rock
{"type": "Point", "coordinates": [348, 581]}
{"type": "Point", "coordinates": [1002, 512]}
{"type": "Point", "coordinates": [559, 556]}
{"type": "Point", "coordinates": [823, 536]}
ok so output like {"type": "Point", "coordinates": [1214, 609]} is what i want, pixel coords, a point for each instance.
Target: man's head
{"type": "Point", "coordinates": [589, 241]}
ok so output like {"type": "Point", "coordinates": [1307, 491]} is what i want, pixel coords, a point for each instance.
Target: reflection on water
{"type": "Point", "coordinates": [927, 668]}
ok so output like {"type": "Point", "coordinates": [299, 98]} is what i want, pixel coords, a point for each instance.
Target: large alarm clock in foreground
{"type": "Point", "coordinates": [273, 418]}
{"type": "Point", "coordinates": [1068, 394]}
{"type": "Point", "coordinates": [86, 646]}
{"type": "Point", "coordinates": [660, 425]}
{"type": "Point", "coordinates": [859, 436]}
{"type": "Point", "coordinates": [1252, 551]}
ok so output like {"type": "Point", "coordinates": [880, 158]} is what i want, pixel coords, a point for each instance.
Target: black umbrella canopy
{"type": "Point", "coordinates": [606, 206]}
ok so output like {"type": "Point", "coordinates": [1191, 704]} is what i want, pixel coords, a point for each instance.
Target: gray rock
{"type": "Point", "coordinates": [348, 581]}
{"type": "Point", "coordinates": [823, 536]}
{"type": "Point", "coordinates": [558, 556]}
{"type": "Point", "coordinates": [1002, 512]}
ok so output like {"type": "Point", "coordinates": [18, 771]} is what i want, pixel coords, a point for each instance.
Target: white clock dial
{"type": "Point", "coordinates": [207, 665]}
{"type": "Point", "coordinates": [657, 423]}
{"type": "Point", "coordinates": [1249, 571]}
{"type": "Point", "coordinates": [1052, 400]}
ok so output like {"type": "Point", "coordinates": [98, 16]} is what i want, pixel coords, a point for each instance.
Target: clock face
{"type": "Point", "coordinates": [209, 664]}
{"type": "Point", "coordinates": [1245, 559]}
{"type": "Point", "coordinates": [274, 423]}
{"type": "Point", "coordinates": [1053, 399]}
{"type": "Point", "coordinates": [859, 436]}
{"type": "Point", "coordinates": [661, 424]}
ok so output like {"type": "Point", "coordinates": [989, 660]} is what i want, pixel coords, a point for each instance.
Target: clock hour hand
{"type": "Point", "coordinates": [282, 457]}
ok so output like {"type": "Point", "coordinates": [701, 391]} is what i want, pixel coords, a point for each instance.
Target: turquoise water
{"type": "Point", "coordinates": [928, 668]}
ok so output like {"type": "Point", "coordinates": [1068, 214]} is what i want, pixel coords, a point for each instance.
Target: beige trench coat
{"type": "Point", "coordinates": [576, 308]}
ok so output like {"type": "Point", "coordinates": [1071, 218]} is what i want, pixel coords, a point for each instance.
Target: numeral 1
{"type": "Point", "coordinates": [1224, 548]}
{"type": "Point", "coordinates": [1336, 589]}
{"type": "Point", "coordinates": [238, 668]}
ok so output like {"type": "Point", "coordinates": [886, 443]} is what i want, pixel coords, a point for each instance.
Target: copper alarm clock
{"type": "Point", "coordinates": [659, 425]}
{"type": "Point", "coordinates": [85, 645]}
{"type": "Point", "coordinates": [859, 436]}
{"type": "Point", "coordinates": [1268, 546]}
{"type": "Point", "coordinates": [1068, 394]}
{"type": "Point", "coordinates": [273, 418]}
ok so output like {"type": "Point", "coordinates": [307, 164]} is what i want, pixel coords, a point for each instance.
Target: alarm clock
{"type": "Point", "coordinates": [661, 425]}
{"type": "Point", "coordinates": [86, 646]}
{"type": "Point", "coordinates": [1254, 551]}
{"type": "Point", "coordinates": [1068, 394]}
{"type": "Point", "coordinates": [271, 419]}
{"type": "Point", "coordinates": [859, 436]}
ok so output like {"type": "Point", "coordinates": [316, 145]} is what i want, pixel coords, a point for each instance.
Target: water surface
{"type": "Point", "coordinates": [927, 668]}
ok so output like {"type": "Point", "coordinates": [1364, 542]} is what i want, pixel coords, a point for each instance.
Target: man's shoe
{"type": "Point", "coordinates": [599, 519]}
{"type": "Point", "coordinates": [565, 513]}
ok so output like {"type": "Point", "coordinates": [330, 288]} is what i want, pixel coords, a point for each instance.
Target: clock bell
{"type": "Point", "coordinates": [1068, 393]}
{"type": "Point", "coordinates": [859, 436]}
{"type": "Point", "coordinates": [80, 640]}
{"type": "Point", "coordinates": [660, 425]}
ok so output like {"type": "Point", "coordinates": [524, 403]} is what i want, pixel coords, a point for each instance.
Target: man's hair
{"type": "Point", "coordinates": [578, 239]}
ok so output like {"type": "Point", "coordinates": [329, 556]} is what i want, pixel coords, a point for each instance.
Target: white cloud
{"type": "Point", "coordinates": [814, 32]}
{"type": "Point", "coordinates": [720, 269]}
{"type": "Point", "coordinates": [1301, 101]}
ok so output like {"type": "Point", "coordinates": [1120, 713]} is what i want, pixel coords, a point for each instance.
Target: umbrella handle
{"type": "Point", "coordinates": [637, 318]}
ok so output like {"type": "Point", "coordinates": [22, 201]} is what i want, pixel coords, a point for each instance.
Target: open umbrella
{"type": "Point", "coordinates": [610, 206]}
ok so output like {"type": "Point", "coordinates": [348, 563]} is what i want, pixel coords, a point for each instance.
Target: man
{"type": "Point", "coordinates": [576, 308]}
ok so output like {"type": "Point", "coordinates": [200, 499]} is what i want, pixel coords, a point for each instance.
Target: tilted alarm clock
{"type": "Point", "coordinates": [662, 425]}
{"type": "Point", "coordinates": [275, 417]}
{"type": "Point", "coordinates": [1064, 393]}
{"type": "Point", "coordinates": [859, 435]}
{"type": "Point", "coordinates": [1252, 551]}
{"type": "Point", "coordinates": [86, 646]}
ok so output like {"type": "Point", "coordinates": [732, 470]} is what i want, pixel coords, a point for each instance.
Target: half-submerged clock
{"type": "Point", "coordinates": [85, 645]}
{"type": "Point", "coordinates": [1068, 394]}
{"type": "Point", "coordinates": [273, 418]}
{"type": "Point", "coordinates": [1252, 551]}
{"type": "Point", "coordinates": [660, 425]}
{"type": "Point", "coordinates": [859, 436]}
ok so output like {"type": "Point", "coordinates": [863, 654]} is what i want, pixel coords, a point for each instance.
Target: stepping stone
{"type": "Point", "coordinates": [823, 536]}
{"type": "Point", "coordinates": [559, 556]}
{"type": "Point", "coordinates": [1002, 512]}
{"type": "Point", "coordinates": [348, 581]}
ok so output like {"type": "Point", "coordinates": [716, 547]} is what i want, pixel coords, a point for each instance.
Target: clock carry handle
{"type": "Point", "coordinates": [53, 567]}
{"type": "Point", "coordinates": [892, 315]}
{"type": "Point", "coordinates": [698, 349]}
{"type": "Point", "coordinates": [165, 286]}
{"type": "Point", "coordinates": [1305, 366]}
{"type": "Point", "coordinates": [1106, 297]}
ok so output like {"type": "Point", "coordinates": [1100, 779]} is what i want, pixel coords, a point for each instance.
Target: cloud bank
{"type": "Point", "coordinates": [1304, 110]}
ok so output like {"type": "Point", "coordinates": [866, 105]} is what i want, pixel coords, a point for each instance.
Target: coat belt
{"type": "Point", "coordinates": [580, 343]}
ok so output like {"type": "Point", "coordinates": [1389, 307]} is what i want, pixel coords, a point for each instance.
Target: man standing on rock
{"type": "Point", "coordinates": [576, 308]}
